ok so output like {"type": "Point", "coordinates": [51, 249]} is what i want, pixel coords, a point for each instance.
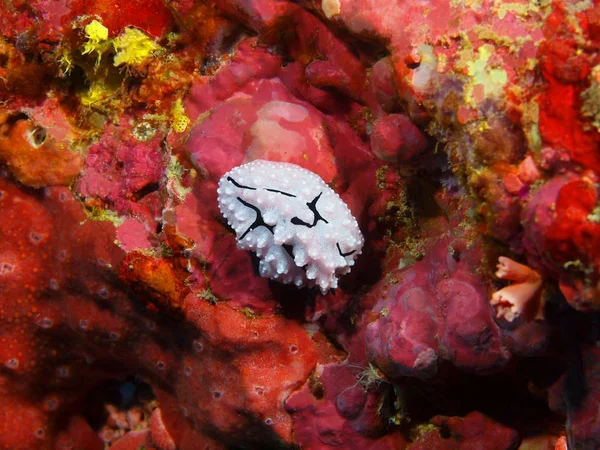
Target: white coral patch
{"type": "Point", "coordinates": [331, 8]}
{"type": "Point", "coordinates": [301, 230]}
{"type": "Point", "coordinates": [283, 110]}
{"type": "Point", "coordinates": [270, 136]}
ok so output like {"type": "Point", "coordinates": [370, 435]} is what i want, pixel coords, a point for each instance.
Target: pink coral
{"type": "Point", "coordinates": [396, 139]}
{"type": "Point", "coordinates": [412, 338]}
{"type": "Point", "coordinates": [124, 172]}
{"type": "Point", "coordinates": [561, 444]}
{"type": "Point", "coordinates": [340, 412]}
{"type": "Point", "coordinates": [517, 298]}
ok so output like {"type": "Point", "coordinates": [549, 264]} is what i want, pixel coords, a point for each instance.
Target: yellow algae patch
{"type": "Point", "coordinates": [521, 9]}
{"type": "Point", "coordinates": [485, 81]}
{"type": "Point", "coordinates": [100, 214]}
{"type": "Point", "coordinates": [97, 93]}
{"type": "Point", "coordinates": [486, 34]}
{"type": "Point", "coordinates": [96, 33]}
{"type": "Point", "coordinates": [470, 4]}
{"type": "Point", "coordinates": [577, 7]}
{"type": "Point", "coordinates": [97, 36]}
{"type": "Point", "coordinates": [132, 47]}
{"type": "Point", "coordinates": [65, 63]}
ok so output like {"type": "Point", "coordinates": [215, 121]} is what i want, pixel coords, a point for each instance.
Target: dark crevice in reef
{"type": "Point", "coordinates": [212, 61]}
{"type": "Point", "coordinates": [367, 47]}
{"type": "Point", "coordinates": [294, 303]}
{"type": "Point", "coordinates": [508, 397]}
{"type": "Point", "coordinates": [281, 36]}
{"type": "Point", "coordinates": [119, 405]}
{"type": "Point", "coordinates": [421, 190]}
{"type": "Point", "coordinates": [146, 190]}
{"type": "Point", "coordinates": [517, 395]}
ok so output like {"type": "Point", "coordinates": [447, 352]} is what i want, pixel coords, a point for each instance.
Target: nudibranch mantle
{"type": "Point", "coordinates": [300, 229]}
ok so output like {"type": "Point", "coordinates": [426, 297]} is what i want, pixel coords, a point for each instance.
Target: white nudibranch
{"type": "Point", "coordinates": [301, 230]}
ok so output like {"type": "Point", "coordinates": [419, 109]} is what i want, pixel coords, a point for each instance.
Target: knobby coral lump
{"type": "Point", "coordinates": [299, 224]}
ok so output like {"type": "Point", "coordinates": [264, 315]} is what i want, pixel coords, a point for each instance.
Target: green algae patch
{"type": "Point", "coordinates": [590, 109]}
{"type": "Point", "coordinates": [175, 172]}
{"type": "Point", "coordinates": [594, 216]}
{"type": "Point", "coordinates": [420, 432]}
{"type": "Point", "coordinates": [100, 214]}
{"type": "Point", "coordinates": [522, 10]}
{"type": "Point", "coordinates": [531, 126]}
{"type": "Point", "coordinates": [485, 81]}
{"type": "Point", "coordinates": [207, 294]}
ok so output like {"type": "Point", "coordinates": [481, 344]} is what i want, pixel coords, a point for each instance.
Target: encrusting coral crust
{"type": "Point", "coordinates": [455, 133]}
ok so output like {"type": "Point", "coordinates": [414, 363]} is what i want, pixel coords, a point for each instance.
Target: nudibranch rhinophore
{"type": "Point", "coordinates": [300, 229]}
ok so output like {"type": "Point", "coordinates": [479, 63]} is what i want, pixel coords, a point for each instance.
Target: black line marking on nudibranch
{"type": "Point", "coordinates": [289, 249]}
{"type": "Point", "coordinates": [342, 254]}
{"type": "Point", "coordinates": [280, 192]}
{"type": "Point", "coordinates": [313, 207]}
{"type": "Point", "coordinates": [258, 222]}
{"type": "Point", "coordinates": [241, 186]}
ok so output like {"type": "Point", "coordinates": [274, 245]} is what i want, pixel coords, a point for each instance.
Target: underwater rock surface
{"type": "Point", "coordinates": [463, 136]}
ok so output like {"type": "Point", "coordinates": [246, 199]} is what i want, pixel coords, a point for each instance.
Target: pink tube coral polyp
{"type": "Point", "coordinates": [522, 296]}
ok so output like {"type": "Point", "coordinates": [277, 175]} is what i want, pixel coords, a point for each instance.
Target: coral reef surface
{"type": "Point", "coordinates": [458, 146]}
